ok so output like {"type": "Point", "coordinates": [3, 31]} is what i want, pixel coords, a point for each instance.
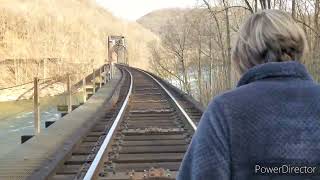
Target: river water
{"type": "Point", "coordinates": [16, 118]}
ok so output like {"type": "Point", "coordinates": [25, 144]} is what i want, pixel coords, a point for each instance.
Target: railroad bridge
{"type": "Point", "coordinates": [136, 126]}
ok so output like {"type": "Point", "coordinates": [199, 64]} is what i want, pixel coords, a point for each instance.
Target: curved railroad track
{"type": "Point", "coordinates": [144, 136]}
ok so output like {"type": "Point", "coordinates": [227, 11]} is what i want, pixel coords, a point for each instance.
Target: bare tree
{"type": "Point", "coordinates": [293, 6]}
{"type": "Point", "coordinates": [197, 46]}
{"type": "Point", "coordinates": [175, 41]}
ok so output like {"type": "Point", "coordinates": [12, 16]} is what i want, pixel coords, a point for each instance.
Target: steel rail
{"type": "Point", "coordinates": [97, 159]}
{"type": "Point", "coordinates": [175, 101]}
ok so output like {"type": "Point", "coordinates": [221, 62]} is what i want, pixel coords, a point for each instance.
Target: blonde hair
{"type": "Point", "coordinates": [268, 36]}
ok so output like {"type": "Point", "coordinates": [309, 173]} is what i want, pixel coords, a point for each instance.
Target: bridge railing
{"type": "Point", "coordinates": [89, 85]}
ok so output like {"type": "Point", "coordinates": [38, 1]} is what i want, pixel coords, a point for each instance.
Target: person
{"type": "Point", "coordinates": [270, 123]}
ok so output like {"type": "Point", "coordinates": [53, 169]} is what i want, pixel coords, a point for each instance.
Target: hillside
{"type": "Point", "coordinates": [74, 31]}
{"type": "Point", "coordinates": [155, 20]}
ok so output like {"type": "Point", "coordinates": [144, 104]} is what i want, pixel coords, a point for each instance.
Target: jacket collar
{"type": "Point", "coordinates": [292, 69]}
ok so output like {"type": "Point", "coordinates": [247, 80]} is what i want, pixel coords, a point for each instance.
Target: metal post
{"type": "Point", "coordinates": [84, 89]}
{"type": "Point", "coordinates": [94, 81]}
{"type": "Point", "coordinates": [100, 77]}
{"type": "Point", "coordinates": [69, 94]}
{"type": "Point", "coordinates": [105, 74]}
{"type": "Point", "coordinates": [109, 50]}
{"type": "Point", "coordinates": [36, 106]}
{"type": "Point", "coordinates": [125, 57]}
{"type": "Point", "coordinates": [109, 72]}
{"type": "Point", "coordinates": [44, 68]}
{"type": "Point", "coordinates": [117, 52]}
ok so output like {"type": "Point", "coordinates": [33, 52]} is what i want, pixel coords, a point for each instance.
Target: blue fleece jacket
{"type": "Point", "coordinates": [272, 119]}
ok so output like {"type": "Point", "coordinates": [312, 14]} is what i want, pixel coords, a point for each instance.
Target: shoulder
{"type": "Point", "coordinates": [235, 100]}
{"type": "Point", "coordinates": [228, 97]}
{"type": "Point", "coordinates": [240, 94]}
{"type": "Point", "coordinates": [217, 110]}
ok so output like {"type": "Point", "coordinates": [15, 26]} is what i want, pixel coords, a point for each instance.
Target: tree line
{"type": "Point", "coordinates": [194, 50]}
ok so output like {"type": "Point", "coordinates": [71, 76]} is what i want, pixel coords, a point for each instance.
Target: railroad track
{"type": "Point", "coordinates": [144, 136]}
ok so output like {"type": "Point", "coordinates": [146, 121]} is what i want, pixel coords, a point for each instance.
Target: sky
{"type": "Point", "coordinates": [134, 9]}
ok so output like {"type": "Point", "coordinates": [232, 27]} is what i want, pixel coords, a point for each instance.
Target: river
{"type": "Point", "coordinates": [16, 118]}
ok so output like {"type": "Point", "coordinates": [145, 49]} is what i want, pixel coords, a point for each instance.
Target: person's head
{"type": "Point", "coordinates": [268, 36]}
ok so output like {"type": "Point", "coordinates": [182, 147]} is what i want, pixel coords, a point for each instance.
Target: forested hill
{"type": "Point", "coordinates": [155, 20]}
{"type": "Point", "coordinates": [74, 31]}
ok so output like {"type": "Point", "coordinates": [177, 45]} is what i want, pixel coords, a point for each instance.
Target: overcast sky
{"type": "Point", "coordinates": [134, 9]}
